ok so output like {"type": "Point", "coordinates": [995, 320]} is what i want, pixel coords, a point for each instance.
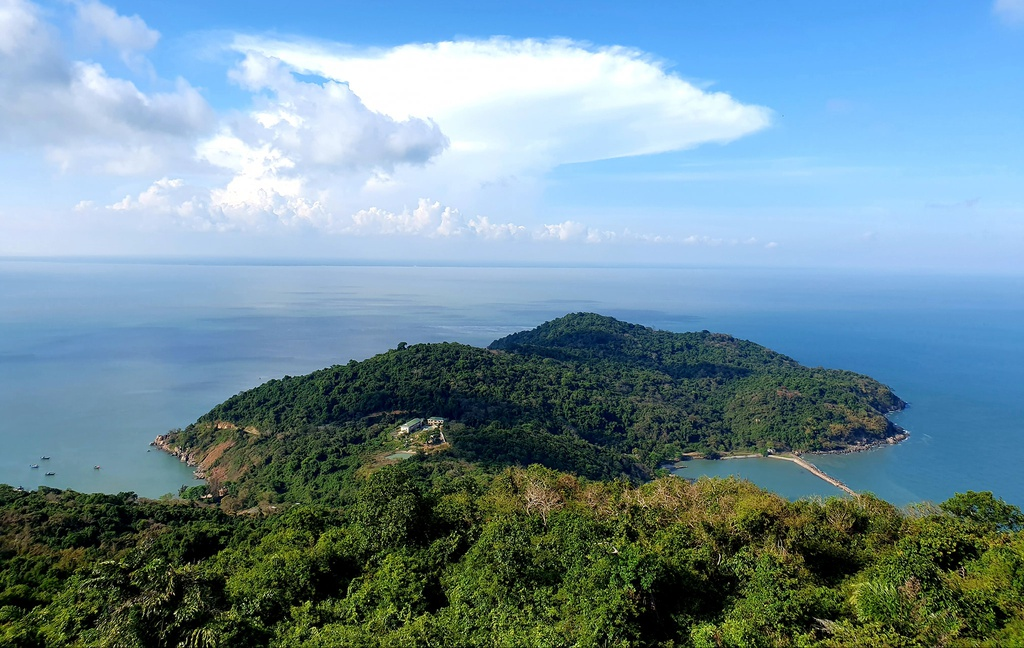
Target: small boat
{"type": "Point", "coordinates": [33, 465]}
{"type": "Point", "coordinates": [50, 474]}
{"type": "Point", "coordinates": [95, 467]}
{"type": "Point", "coordinates": [44, 458]}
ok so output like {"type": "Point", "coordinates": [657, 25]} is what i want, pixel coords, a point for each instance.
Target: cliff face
{"type": "Point", "coordinates": [205, 459]}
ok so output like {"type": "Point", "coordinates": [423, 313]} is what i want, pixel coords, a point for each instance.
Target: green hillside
{"type": "Point", "coordinates": [521, 557]}
{"type": "Point", "coordinates": [583, 393]}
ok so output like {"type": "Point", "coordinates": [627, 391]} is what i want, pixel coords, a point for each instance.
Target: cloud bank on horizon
{"type": "Point", "coordinates": [343, 140]}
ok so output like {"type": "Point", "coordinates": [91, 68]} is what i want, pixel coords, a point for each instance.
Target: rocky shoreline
{"type": "Point", "coordinates": [188, 457]}
{"type": "Point", "coordinates": [895, 439]}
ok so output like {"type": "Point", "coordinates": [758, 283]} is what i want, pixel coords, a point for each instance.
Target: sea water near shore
{"type": "Point", "coordinates": [97, 358]}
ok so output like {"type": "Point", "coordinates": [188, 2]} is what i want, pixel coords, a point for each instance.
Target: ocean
{"type": "Point", "coordinates": [97, 358]}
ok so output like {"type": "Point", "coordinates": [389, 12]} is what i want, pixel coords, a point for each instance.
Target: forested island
{"type": "Point", "coordinates": [532, 514]}
{"type": "Point", "coordinates": [583, 393]}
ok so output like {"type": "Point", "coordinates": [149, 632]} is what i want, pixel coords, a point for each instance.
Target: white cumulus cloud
{"type": "Point", "coordinates": [326, 124]}
{"type": "Point", "coordinates": [341, 128]}
{"type": "Point", "coordinates": [304, 149]}
{"type": "Point", "coordinates": [574, 231]}
{"type": "Point", "coordinates": [432, 219]}
{"type": "Point", "coordinates": [79, 113]}
{"type": "Point", "coordinates": [170, 197]}
{"type": "Point", "coordinates": [127, 34]}
{"type": "Point", "coordinates": [199, 208]}
{"type": "Point", "coordinates": [528, 103]}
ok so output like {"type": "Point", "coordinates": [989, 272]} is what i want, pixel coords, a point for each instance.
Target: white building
{"type": "Point", "coordinates": [410, 426]}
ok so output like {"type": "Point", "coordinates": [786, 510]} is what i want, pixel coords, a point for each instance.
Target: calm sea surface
{"type": "Point", "coordinates": [96, 359]}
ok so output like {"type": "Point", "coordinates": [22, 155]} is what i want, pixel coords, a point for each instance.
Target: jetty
{"type": "Point", "coordinates": [817, 472]}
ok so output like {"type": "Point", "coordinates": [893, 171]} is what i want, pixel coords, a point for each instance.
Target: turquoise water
{"type": "Point", "coordinates": [98, 358]}
{"type": "Point", "coordinates": [783, 477]}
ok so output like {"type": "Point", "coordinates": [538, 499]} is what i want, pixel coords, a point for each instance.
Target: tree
{"type": "Point", "coordinates": [986, 509]}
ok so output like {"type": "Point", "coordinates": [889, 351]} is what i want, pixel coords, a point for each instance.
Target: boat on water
{"type": "Point", "coordinates": [95, 467]}
{"type": "Point", "coordinates": [33, 465]}
{"type": "Point", "coordinates": [50, 474]}
{"type": "Point", "coordinates": [44, 458]}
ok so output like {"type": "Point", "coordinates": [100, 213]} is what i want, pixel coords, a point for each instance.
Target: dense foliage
{"type": "Point", "coordinates": [583, 393]}
{"type": "Point", "coordinates": [431, 554]}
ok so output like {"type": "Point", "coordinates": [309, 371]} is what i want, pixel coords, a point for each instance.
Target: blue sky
{"type": "Point", "coordinates": [860, 134]}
